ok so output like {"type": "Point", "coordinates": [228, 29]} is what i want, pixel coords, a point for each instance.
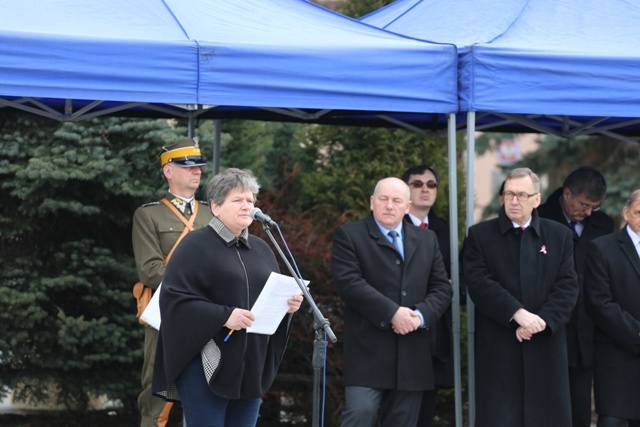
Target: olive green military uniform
{"type": "Point", "coordinates": [156, 228]}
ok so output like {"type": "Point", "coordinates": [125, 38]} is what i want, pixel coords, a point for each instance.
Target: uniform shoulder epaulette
{"type": "Point", "coordinates": [150, 204]}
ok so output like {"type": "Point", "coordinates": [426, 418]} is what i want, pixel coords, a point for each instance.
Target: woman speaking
{"type": "Point", "coordinates": [208, 288]}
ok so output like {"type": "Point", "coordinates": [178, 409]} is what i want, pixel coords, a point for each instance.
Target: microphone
{"type": "Point", "coordinates": [258, 215]}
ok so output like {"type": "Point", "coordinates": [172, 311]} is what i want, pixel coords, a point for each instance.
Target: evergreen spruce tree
{"type": "Point", "coordinates": [67, 316]}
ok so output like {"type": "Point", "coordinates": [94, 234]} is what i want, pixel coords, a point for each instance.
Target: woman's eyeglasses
{"type": "Point", "coordinates": [419, 184]}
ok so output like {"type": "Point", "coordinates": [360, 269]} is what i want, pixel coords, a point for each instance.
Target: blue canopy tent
{"type": "Point", "coordinates": [69, 59]}
{"type": "Point", "coordinates": [551, 66]}
{"type": "Point", "coordinates": [260, 59]}
{"type": "Point", "coordinates": [546, 66]}
{"type": "Point", "coordinates": [293, 54]}
{"type": "Point", "coordinates": [559, 59]}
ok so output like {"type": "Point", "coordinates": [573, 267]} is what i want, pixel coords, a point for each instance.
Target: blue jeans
{"type": "Point", "coordinates": [202, 408]}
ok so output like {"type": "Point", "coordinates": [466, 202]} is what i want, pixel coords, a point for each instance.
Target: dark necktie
{"type": "Point", "coordinates": [572, 225]}
{"type": "Point", "coordinates": [394, 239]}
{"type": "Point", "coordinates": [424, 225]}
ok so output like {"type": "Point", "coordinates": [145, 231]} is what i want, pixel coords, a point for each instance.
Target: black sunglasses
{"type": "Point", "coordinates": [419, 184]}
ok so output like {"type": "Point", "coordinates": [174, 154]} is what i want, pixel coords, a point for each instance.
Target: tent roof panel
{"type": "Point", "coordinates": [589, 27]}
{"type": "Point", "coordinates": [241, 53]}
{"type": "Point", "coordinates": [113, 19]}
{"type": "Point", "coordinates": [461, 22]}
{"type": "Point", "coordinates": [296, 54]}
{"type": "Point", "coordinates": [560, 57]}
{"type": "Point", "coordinates": [554, 57]}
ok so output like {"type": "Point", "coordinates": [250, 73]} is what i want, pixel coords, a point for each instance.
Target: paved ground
{"type": "Point", "coordinates": [7, 408]}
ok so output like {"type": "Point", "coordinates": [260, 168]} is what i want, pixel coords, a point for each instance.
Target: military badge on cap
{"type": "Point", "coordinates": [185, 153]}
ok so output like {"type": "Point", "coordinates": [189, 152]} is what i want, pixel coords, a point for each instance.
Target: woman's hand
{"type": "Point", "coordinates": [240, 319]}
{"type": "Point", "coordinates": [294, 303]}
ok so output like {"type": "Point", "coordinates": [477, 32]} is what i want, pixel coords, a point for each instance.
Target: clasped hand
{"type": "Point", "coordinates": [404, 321]}
{"type": "Point", "coordinates": [530, 324]}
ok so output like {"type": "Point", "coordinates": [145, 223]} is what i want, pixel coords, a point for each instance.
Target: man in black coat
{"type": "Point", "coordinates": [423, 181]}
{"type": "Point", "coordinates": [519, 273]}
{"type": "Point", "coordinates": [394, 286]}
{"type": "Point", "coordinates": [576, 205]}
{"type": "Point", "coordinates": [612, 298]}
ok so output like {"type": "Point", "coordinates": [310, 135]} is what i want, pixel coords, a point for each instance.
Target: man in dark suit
{"type": "Point", "coordinates": [519, 273]}
{"type": "Point", "coordinates": [576, 205]}
{"type": "Point", "coordinates": [612, 299]}
{"type": "Point", "coordinates": [423, 182]}
{"type": "Point", "coordinates": [394, 286]}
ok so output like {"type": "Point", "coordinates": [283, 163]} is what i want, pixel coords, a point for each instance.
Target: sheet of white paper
{"type": "Point", "coordinates": [151, 314]}
{"type": "Point", "coordinates": [271, 305]}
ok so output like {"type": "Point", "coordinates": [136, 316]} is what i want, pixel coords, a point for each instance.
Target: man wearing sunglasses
{"type": "Point", "coordinates": [423, 182]}
{"type": "Point", "coordinates": [577, 205]}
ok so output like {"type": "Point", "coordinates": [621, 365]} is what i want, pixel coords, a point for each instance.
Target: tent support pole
{"type": "Point", "coordinates": [470, 204]}
{"type": "Point", "coordinates": [453, 229]}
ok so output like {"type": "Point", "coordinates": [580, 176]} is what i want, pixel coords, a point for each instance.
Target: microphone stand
{"type": "Point", "coordinates": [320, 324]}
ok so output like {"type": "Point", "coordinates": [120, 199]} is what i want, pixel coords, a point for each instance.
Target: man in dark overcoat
{"type": "Point", "coordinates": [519, 273]}
{"type": "Point", "coordinates": [394, 286]}
{"type": "Point", "coordinates": [612, 299]}
{"type": "Point", "coordinates": [577, 206]}
{"type": "Point", "coordinates": [423, 181]}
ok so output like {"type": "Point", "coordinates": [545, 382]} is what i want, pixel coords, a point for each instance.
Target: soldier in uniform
{"type": "Point", "coordinates": [156, 229]}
